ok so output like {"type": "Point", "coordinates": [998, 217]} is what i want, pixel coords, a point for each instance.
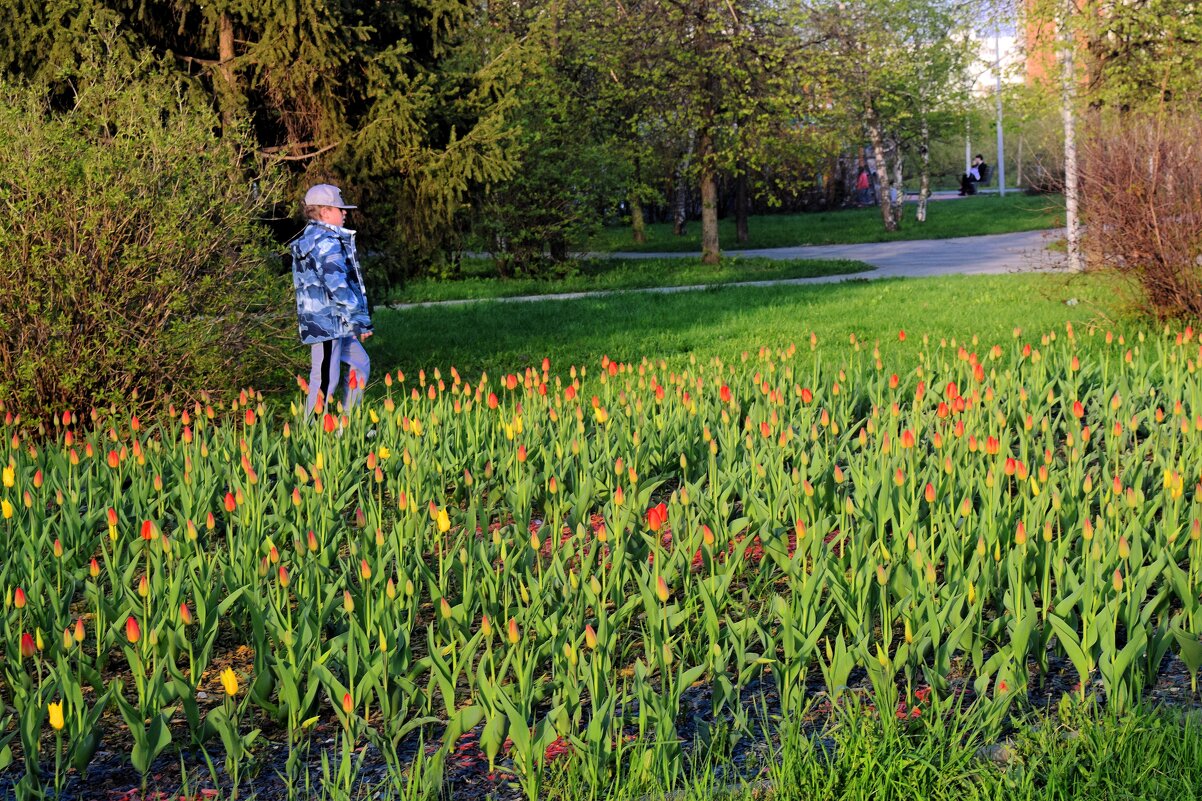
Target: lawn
{"type": "Point", "coordinates": [727, 321]}
{"type": "Point", "coordinates": [480, 281]}
{"type": "Point", "coordinates": [971, 216]}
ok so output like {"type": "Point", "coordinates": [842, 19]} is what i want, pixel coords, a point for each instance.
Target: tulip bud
{"type": "Point", "coordinates": [229, 682]}
{"type": "Point", "coordinates": [133, 632]}
{"type": "Point", "coordinates": [512, 633]}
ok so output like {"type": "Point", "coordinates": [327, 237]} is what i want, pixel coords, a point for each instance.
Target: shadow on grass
{"type": "Point", "coordinates": [727, 321]}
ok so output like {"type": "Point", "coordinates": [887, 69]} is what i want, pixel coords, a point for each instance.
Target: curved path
{"type": "Point", "coordinates": [919, 258]}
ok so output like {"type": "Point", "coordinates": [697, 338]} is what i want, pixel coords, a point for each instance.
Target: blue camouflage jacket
{"type": "Point", "coordinates": [330, 299]}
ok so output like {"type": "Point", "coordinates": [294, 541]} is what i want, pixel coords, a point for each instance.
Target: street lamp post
{"type": "Point", "coordinates": [1001, 141]}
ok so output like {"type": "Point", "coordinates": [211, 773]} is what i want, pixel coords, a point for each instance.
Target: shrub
{"type": "Point", "coordinates": [1141, 201]}
{"type": "Point", "coordinates": [134, 262]}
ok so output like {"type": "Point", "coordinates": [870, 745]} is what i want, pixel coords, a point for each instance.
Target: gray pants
{"type": "Point", "coordinates": [327, 360]}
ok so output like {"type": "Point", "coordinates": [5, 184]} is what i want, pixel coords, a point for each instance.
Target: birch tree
{"type": "Point", "coordinates": [896, 69]}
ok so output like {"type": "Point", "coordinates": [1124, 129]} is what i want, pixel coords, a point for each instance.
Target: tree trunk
{"type": "Point", "coordinates": [897, 195]}
{"type": "Point", "coordinates": [924, 175]}
{"type": "Point", "coordinates": [873, 123]}
{"type": "Point", "coordinates": [1068, 114]}
{"type": "Point", "coordinates": [710, 253]}
{"type": "Point", "coordinates": [680, 210]}
{"type": "Point", "coordinates": [741, 204]}
{"type": "Point", "coordinates": [1018, 166]}
{"type": "Point", "coordinates": [228, 94]}
{"type": "Point", "coordinates": [637, 223]}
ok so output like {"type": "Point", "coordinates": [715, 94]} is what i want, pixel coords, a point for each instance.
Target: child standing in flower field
{"type": "Point", "coordinates": [331, 302]}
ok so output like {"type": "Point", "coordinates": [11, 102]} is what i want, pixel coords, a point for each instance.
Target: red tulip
{"type": "Point", "coordinates": [329, 423]}
{"type": "Point", "coordinates": [132, 631]}
{"type": "Point", "coordinates": [19, 600]}
{"type": "Point", "coordinates": [28, 648]}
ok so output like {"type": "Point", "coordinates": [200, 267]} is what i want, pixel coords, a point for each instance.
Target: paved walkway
{"type": "Point", "coordinates": [920, 258]}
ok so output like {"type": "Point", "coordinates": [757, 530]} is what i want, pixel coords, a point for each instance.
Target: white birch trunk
{"type": "Point", "coordinates": [1068, 113]}
{"type": "Point", "coordinates": [924, 176]}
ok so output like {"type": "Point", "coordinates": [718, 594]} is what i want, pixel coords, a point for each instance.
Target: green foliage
{"type": "Point", "coordinates": [571, 175]}
{"type": "Point", "coordinates": [405, 104]}
{"type": "Point", "coordinates": [134, 256]}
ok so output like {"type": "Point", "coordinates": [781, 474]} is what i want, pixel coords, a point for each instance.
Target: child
{"type": "Point", "coordinates": [331, 303]}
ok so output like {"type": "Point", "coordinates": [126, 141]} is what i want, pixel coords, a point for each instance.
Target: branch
{"type": "Point", "coordinates": [271, 151]}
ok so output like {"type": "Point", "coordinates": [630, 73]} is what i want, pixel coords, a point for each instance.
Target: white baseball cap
{"type": "Point", "coordinates": [326, 195]}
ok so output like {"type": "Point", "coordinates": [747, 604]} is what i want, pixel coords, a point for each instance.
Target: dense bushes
{"type": "Point", "coordinates": [133, 259]}
{"type": "Point", "coordinates": [1142, 205]}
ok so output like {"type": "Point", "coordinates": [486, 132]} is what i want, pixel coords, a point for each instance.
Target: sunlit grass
{"type": "Point", "coordinates": [971, 216]}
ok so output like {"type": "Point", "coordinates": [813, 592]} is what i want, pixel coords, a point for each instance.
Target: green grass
{"type": "Point", "coordinates": [728, 321]}
{"type": "Point", "coordinates": [1065, 755]}
{"type": "Point", "coordinates": [970, 216]}
{"type": "Point", "coordinates": [591, 275]}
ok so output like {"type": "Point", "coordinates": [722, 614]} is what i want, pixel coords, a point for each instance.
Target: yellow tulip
{"type": "Point", "coordinates": [229, 682]}
{"type": "Point", "coordinates": [56, 716]}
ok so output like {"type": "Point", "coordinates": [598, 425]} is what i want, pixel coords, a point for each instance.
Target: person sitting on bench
{"type": "Point", "coordinates": [977, 174]}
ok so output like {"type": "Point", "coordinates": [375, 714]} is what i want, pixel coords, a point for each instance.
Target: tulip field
{"type": "Point", "coordinates": [540, 566]}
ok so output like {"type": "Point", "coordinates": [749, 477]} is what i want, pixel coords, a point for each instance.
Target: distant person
{"type": "Point", "coordinates": [863, 187]}
{"type": "Point", "coordinates": [977, 173]}
{"type": "Point", "coordinates": [331, 302]}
